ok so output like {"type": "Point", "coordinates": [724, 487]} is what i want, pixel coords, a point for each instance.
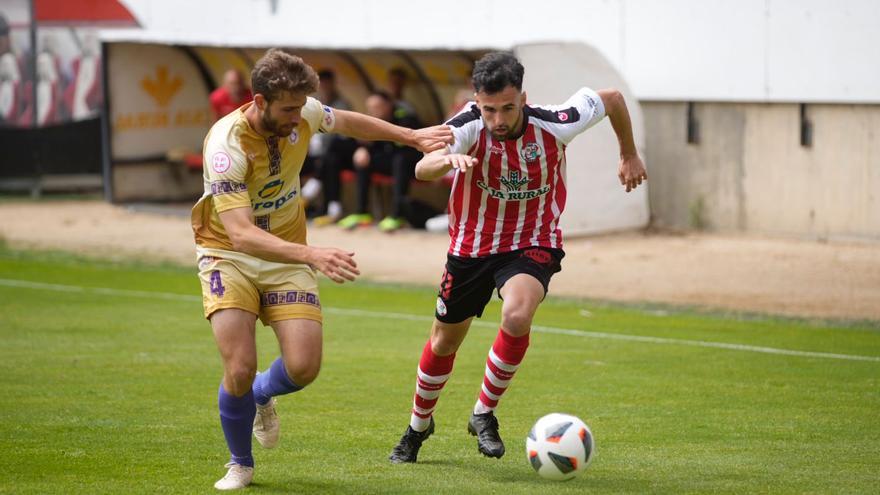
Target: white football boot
{"type": "Point", "coordinates": [236, 478]}
{"type": "Point", "coordinates": [266, 425]}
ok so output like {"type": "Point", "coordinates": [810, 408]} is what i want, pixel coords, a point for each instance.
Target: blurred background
{"type": "Point", "coordinates": [718, 328]}
{"type": "Point", "coordinates": [758, 116]}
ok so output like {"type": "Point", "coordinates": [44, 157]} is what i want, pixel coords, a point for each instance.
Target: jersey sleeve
{"type": "Point", "coordinates": [320, 117]}
{"type": "Point", "coordinates": [225, 172]}
{"type": "Point", "coordinates": [465, 127]}
{"type": "Point", "coordinates": [582, 110]}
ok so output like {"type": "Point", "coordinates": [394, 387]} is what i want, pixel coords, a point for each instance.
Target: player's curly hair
{"type": "Point", "coordinates": [497, 70]}
{"type": "Point", "coordinates": [278, 72]}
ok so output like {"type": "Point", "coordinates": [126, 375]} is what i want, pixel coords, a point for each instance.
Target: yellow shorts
{"type": "Point", "coordinates": [273, 291]}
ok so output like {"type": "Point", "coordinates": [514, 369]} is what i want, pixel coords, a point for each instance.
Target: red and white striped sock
{"type": "Point", "coordinates": [504, 358]}
{"type": "Point", "coordinates": [433, 373]}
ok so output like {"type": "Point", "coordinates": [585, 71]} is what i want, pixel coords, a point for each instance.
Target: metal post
{"type": "Point", "coordinates": [106, 144]}
{"type": "Point", "coordinates": [35, 142]}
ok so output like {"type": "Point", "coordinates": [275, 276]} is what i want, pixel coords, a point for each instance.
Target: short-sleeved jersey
{"type": "Point", "coordinates": [514, 196]}
{"type": "Point", "coordinates": [245, 169]}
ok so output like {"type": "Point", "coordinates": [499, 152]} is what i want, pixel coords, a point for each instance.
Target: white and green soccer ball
{"type": "Point", "coordinates": [559, 446]}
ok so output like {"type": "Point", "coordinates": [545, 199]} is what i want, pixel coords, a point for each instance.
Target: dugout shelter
{"type": "Point", "coordinates": [157, 108]}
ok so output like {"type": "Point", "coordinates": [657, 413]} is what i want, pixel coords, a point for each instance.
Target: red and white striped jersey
{"type": "Point", "coordinates": [513, 197]}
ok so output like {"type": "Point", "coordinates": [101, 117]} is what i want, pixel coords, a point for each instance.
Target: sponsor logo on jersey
{"type": "Point", "coordinates": [563, 117]}
{"type": "Point", "coordinates": [592, 101]}
{"type": "Point", "coordinates": [268, 192]}
{"type": "Point", "coordinates": [221, 162]}
{"type": "Point", "coordinates": [512, 183]}
{"type": "Point", "coordinates": [514, 180]}
{"type": "Point", "coordinates": [271, 189]}
{"type": "Point", "coordinates": [530, 152]}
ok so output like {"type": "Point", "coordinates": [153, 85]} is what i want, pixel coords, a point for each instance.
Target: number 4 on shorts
{"type": "Point", "coordinates": [217, 284]}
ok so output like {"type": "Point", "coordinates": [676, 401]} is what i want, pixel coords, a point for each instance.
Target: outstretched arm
{"type": "Point", "coordinates": [631, 170]}
{"type": "Point", "coordinates": [366, 128]}
{"type": "Point", "coordinates": [436, 164]}
{"type": "Point", "coordinates": [247, 238]}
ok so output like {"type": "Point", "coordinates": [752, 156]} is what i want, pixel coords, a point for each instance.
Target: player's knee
{"type": "Point", "coordinates": [303, 374]}
{"type": "Point", "coordinates": [442, 345]}
{"type": "Point", "coordinates": [240, 378]}
{"type": "Point", "coordinates": [516, 320]}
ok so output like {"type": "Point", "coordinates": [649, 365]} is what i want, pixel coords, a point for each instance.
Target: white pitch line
{"type": "Point", "coordinates": [168, 296]}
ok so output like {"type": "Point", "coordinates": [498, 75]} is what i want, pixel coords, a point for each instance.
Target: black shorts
{"type": "Point", "coordinates": [467, 283]}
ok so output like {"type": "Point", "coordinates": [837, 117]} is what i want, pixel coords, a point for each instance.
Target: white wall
{"type": "Point", "coordinates": [749, 172]}
{"type": "Point", "coordinates": [710, 50]}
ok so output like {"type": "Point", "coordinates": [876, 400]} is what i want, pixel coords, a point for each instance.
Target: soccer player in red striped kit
{"type": "Point", "coordinates": [507, 196]}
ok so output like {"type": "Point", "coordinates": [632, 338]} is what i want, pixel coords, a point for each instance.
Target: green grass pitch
{"type": "Point", "coordinates": [115, 392]}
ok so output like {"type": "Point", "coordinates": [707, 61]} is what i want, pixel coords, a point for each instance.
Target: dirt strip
{"type": "Point", "coordinates": [778, 276]}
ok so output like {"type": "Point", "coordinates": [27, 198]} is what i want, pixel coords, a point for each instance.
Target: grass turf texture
{"type": "Point", "coordinates": [117, 394]}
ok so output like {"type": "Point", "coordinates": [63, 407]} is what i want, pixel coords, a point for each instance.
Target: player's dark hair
{"type": "Point", "coordinates": [280, 72]}
{"type": "Point", "coordinates": [496, 71]}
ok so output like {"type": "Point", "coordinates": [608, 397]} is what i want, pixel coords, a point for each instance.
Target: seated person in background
{"type": "Point", "coordinates": [230, 95]}
{"type": "Point", "coordinates": [463, 96]}
{"type": "Point", "coordinates": [397, 80]}
{"type": "Point", "coordinates": [385, 158]}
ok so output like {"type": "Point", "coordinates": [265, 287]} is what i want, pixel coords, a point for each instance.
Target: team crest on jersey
{"type": "Point", "coordinates": [329, 118]}
{"type": "Point", "coordinates": [562, 116]}
{"type": "Point", "coordinates": [221, 162]}
{"type": "Point", "coordinates": [530, 152]}
{"type": "Point", "coordinates": [293, 138]}
{"type": "Point", "coordinates": [441, 307]}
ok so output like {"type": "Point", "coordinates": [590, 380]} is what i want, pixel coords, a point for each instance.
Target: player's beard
{"type": "Point", "coordinates": [507, 131]}
{"type": "Point", "coordinates": [274, 126]}
{"type": "Point", "coordinates": [500, 133]}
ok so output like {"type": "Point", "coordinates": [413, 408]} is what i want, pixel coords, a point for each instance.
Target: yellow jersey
{"type": "Point", "coordinates": [245, 169]}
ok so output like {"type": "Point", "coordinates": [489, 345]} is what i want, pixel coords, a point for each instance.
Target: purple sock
{"type": "Point", "coordinates": [237, 418]}
{"type": "Point", "coordinates": [273, 382]}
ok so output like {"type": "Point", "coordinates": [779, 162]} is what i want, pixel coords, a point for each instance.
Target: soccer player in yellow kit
{"type": "Point", "coordinates": [250, 233]}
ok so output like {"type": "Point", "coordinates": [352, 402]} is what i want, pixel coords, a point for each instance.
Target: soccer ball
{"type": "Point", "coordinates": [559, 446]}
